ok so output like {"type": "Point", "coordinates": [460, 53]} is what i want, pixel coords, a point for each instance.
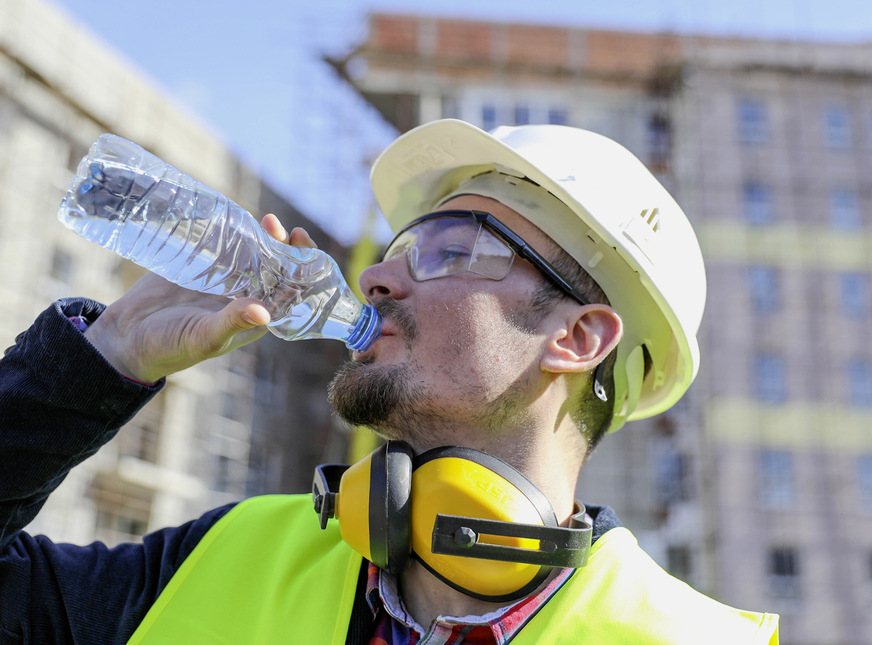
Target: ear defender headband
{"type": "Point", "coordinates": [472, 520]}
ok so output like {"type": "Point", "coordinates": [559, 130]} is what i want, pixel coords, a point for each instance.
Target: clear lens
{"type": "Point", "coordinates": [492, 258]}
{"type": "Point", "coordinates": [445, 246]}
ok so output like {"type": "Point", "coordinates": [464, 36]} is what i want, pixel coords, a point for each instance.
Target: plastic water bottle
{"type": "Point", "coordinates": [130, 201]}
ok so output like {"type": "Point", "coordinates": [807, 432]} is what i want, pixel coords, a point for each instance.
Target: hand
{"type": "Point", "coordinates": [158, 328]}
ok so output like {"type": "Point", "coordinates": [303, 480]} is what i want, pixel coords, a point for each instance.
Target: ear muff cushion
{"type": "Point", "coordinates": [389, 506]}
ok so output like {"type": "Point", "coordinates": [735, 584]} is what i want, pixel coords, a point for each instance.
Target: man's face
{"type": "Point", "coordinates": [457, 354]}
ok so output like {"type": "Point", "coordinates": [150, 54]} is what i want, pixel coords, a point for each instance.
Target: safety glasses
{"type": "Point", "coordinates": [449, 242]}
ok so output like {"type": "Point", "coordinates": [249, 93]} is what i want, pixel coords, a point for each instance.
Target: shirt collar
{"type": "Point", "coordinates": [382, 593]}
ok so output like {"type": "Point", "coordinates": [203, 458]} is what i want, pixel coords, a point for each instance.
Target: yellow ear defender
{"type": "Point", "coordinates": [472, 520]}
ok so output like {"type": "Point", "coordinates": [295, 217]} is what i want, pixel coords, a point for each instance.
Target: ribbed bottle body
{"type": "Point", "coordinates": [131, 202]}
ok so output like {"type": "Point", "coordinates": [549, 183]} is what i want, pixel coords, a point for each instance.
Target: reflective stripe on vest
{"type": "Point", "coordinates": [266, 573]}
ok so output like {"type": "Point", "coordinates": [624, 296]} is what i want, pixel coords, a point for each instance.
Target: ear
{"type": "Point", "coordinates": [582, 338]}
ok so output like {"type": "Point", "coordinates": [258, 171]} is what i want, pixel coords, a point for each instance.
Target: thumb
{"type": "Point", "coordinates": [226, 328]}
{"type": "Point", "coordinates": [252, 314]}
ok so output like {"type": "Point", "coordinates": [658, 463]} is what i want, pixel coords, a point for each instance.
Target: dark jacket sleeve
{"type": "Point", "coordinates": [59, 402]}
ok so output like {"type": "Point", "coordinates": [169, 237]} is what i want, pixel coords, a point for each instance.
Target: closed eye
{"type": "Point", "coordinates": [453, 252]}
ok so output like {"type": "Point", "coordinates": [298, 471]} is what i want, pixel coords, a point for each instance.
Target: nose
{"type": "Point", "coordinates": [387, 279]}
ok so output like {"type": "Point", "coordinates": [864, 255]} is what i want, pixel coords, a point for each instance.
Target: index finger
{"type": "Point", "coordinates": [297, 237]}
{"type": "Point", "coordinates": [273, 226]}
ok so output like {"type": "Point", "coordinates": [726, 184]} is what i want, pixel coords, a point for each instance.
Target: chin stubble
{"type": "Point", "coordinates": [374, 395]}
{"type": "Point", "coordinates": [368, 395]}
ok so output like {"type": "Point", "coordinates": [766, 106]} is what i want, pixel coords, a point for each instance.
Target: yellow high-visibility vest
{"type": "Point", "coordinates": [622, 597]}
{"type": "Point", "coordinates": [266, 573]}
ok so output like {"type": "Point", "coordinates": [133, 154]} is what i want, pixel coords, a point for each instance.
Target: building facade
{"type": "Point", "coordinates": [757, 487]}
{"type": "Point", "coordinates": [252, 422]}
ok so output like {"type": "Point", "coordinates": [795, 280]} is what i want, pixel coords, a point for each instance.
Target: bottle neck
{"type": "Point", "coordinates": [367, 329]}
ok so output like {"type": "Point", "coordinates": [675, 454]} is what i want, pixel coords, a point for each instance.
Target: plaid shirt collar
{"type": "Point", "coordinates": [394, 625]}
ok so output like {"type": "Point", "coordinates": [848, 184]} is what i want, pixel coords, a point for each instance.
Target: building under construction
{"type": "Point", "coordinates": [757, 487]}
{"type": "Point", "coordinates": [252, 422]}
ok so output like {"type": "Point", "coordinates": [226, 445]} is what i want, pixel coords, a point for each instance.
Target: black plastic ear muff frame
{"type": "Point", "coordinates": [422, 506]}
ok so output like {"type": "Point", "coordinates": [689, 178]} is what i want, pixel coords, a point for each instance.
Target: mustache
{"type": "Point", "coordinates": [400, 314]}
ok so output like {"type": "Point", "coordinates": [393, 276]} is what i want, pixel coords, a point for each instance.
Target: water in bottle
{"type": "Point", "coordinates": [130, 201]}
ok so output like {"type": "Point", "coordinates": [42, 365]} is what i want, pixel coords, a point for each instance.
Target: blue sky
{"type": "Point", "coordinates": [250, 70]}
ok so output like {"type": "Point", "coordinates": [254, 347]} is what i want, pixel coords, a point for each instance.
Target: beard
{"type": "Point", "coordinates": [374, 396]}
{"type": "Point", "coordinates": [392, 401]}
{"type": "Point", "coordinates": [363, 394]}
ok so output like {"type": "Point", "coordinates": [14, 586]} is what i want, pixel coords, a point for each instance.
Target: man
{"type": "Point", "coordinates": [543, 289]}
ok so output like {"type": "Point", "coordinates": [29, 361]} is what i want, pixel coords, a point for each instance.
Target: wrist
{"type": "Point", "coordinates": [106, 344]}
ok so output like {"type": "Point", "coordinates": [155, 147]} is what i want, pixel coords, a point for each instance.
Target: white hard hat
{"type": "Point", "coordinates": [621, 225]}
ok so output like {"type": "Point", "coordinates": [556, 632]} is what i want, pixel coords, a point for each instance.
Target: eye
{"type": "Point", "coordinates": [453, 253]}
